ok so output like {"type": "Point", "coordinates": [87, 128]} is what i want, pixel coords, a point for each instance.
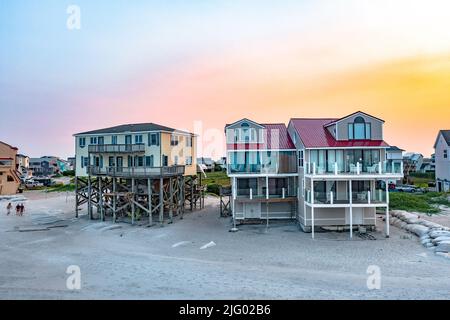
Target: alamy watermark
{"type": "Point", "coordinates": [73, 281]}
{"type": "Point", "coordinates": [374, 278]}
{"type": "Point", "coordinates": [74, 19]}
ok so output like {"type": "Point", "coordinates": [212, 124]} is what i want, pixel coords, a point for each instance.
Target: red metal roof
{"type": "Point", "coordinates": [313, 134]}
{"type": "Point", "coordinates": [276, 137]}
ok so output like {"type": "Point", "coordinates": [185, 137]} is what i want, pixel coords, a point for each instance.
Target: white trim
{"type": "Point", "coordinates": [256, 175]}
{"type": "Point", "coordinates": [352, 115]}
{"type": "Point", "coordinates": [345, 177]}
{"type": "Point", "coordinates": [242, 120]}
{"type": "Point", "coordinates": [346, 205]}
{"type": "Point", "coordinates": [258, 150]}
{"type": "Point", "coordinates": [134, 132]}
{"type": "Point", "coordinates": [344, 148]}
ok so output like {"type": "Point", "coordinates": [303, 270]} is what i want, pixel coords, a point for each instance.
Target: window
{"type": "Point", "coordinates": [300, 158]}
{"type": "Point", "coordinates": [445, 154]}
{"type": "Point", "coordinates": [149, 161]}
{"type": "Point", "coordinates": [165, 160]}
{"type": "Point", "coordinates": [139, 161]}
{"type": "Point", "coordinates": [82, 142]}
{"type": "Point", "coordinates": [10, 179]}
{"type": "Point", "coordinates": [128, 139]}
{"type": "Point", "coordinates": [189, 160]}
{"type": "Point", "coordinates": [189, 141]}
{"type": "Point", "coordinates": [138, 139]}
{"type": "Point", "coordinates": [101, 140]}
{"type": "Point", "coordinates": [93, 140]}
{"type": "Point", "coordinates": [114, 140]}
{"type": "Point", "coordinates": [130, 161]}
{"type": "Point", "coordinates": [174, 140]}
{"type": "Point", "coordinates": [111, 162]}
{"type": "Point", "coordinates": [359, 129]}
{"type": "Point", "coordinates": [153, 139]}
{"type": "Point", "coordinates": [86, 161]}
{"type": "Point", "coordinates": [176, 160]}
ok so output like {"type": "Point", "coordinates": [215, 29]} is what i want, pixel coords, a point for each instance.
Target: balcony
{"type": "Point", "coordinates": [117, 148]}
{"type": "Point", "coordinates": [136, 172]}
{"type": "Point", "coordinates": [330, 199]}
{"type": "Point", "coordinates": [387, 168]}
{"type": "Point", "coordinates": [263, 162]}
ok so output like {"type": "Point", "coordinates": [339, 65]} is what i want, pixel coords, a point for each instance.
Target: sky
{"type": "Point", "coordinates": [197, 65]}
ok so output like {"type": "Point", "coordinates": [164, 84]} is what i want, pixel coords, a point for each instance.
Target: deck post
{"type": "Point", "coordinates": [114, 199]}
{"type": "Point", "coordinates": [133, 197]}
{"type": "Point", "coordinates": [149, 190]}
{"type": "Point", "coordinates": [170, 200]}
{"type": "Point", "coordinates": [161, 201]}
{"type": "Point", "coordinates": [90, 197]}
{"type": "Point", "coordinates": [351, 208]}
{"type": "Point", "coordinates": [100, 199]}
{"type": "Point", "coordinates": [387, 209]}
{"type": "Point", "coordinates": [312, 208]}
{"type": "Point", "coordinates": [76, 197]}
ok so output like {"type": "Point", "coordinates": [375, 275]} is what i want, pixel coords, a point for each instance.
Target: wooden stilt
{"type": "Point", "coordinates": [149, 191]}
{"type": "Point", "coordinates": [90, 197]}
{"type": "Point", "coordinates": [161, 200]}
{"type": "Point", "coordinates": [170, 199]}
{"type": "Point", "coordinates": [114, 199]}
{"type": "Point", "coordinates": [133, 196]}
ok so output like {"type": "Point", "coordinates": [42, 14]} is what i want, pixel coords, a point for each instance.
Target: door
{"type": "Point", "coordinates": [357, 215]}
{"type": "Point", "coordinates": [252, 210]}
{"type": "Point", "coordinates": [119, 164]}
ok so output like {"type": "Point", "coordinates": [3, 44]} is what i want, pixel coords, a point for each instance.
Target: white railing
{"type": "Point", "coordinates": [382, 167]}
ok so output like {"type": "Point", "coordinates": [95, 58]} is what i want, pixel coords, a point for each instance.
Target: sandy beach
{"type": "Point", "coordinates": [198, 258]}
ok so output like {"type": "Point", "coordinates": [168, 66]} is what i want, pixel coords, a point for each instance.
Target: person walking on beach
{"type": "Point", "coordinates": [22, 209]}
{"type": "Point", "coordinates": [8, 209]}
{"type": "Point", "coordinates": [17, 209]}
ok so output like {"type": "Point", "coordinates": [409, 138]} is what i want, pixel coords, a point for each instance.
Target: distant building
{"type": "Point", "coordinates": [442, 160]}
{"type": "Point", "coordinates": [9, 176]}
{"type": "Point", "coordinates": [412, 161]}
{"type": "Point", "coordinates": [23, 165]}
{"type": "Point", "coordinates": [428, 165]}
{"type": "Point", "coordinates": [72, 163]}
{"type": "Point", "coordinates": [206, 163]}
{"type": "Point", "coordinates": [395, 155]}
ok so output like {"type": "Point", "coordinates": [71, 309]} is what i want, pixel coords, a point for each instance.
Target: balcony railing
{"type": "Point", "coordinates": [117, 148]}
{"type": "Point", "coordinates": [136, 171]}
{"type": "Point", "coordinates": [261, 169]}
{"type": "Point", "coordinates": [377, 196]}
{"type": "Point", "coordinates": [358, 168]}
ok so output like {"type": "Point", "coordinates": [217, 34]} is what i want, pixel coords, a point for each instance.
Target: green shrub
{"type": "Point", "coordinates": [69, 173]}
{"type": "Point", "coordinates": [213, 188]}
{"type": "Point", "coordinates": [411, 202]}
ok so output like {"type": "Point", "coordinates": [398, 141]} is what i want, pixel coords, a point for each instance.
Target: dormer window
{"type": "Point", "coordinates": [359, 129]}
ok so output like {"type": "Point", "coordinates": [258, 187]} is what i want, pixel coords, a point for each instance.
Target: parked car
{"type": "Point", "coordinates": [408, 188]}
{"type": "Point", "coordinates": [33, 184]}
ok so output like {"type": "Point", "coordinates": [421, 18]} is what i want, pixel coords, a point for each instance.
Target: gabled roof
{"type": "Point", "coordinates": [314, 134]}
{"type": "Point", "coordinates": [350, 115]}
{"type": "Point", "coordinates": [136, 127]}
{"type": "Point", "coordinates": [8, 145]}
{"type": "Point", "coordinates": [276, 138]}
{"type": "Point", "coordinates": [445, 135]}
{"type": "Point", "coordinates": [242, 120]}
{"type": "Point", "coordinates": [394, 148]}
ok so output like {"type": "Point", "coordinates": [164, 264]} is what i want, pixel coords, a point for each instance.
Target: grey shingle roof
{"type": "Point", "coordinates": [446, 135]}
{"type": "Point", "coordinates": [394, 148]}
{"type": "Point", "coordinates": [137, 127]}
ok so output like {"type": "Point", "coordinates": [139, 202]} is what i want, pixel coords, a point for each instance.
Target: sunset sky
{"type": "Point", "coordinates": [180, 63]}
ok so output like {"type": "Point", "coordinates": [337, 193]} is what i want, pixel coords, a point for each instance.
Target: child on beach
{"type": "Point", "coordinates": [8, 209]}
{"type": "Point", "coordinates": [17, 209]}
